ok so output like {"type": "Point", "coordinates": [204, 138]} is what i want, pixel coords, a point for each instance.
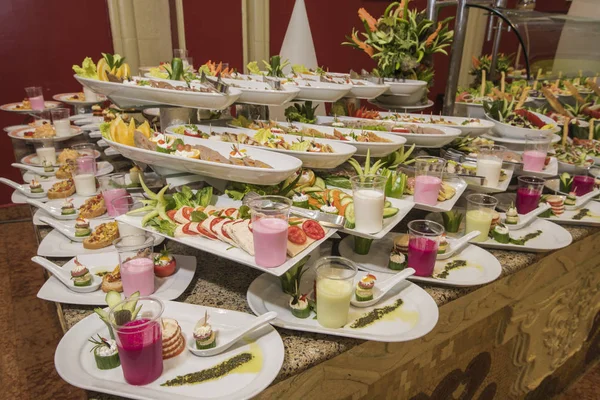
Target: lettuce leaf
{"type": "Point", "coordinates": [87, 69]}
{"type": "Point", "coordinates": [262, 136]}
{"type": "Point", "coordinates": [105, 130]}
{"type": "Point", "coordinates": [254, 69]}
{"type": "Point", "coordinates": [301, 146]}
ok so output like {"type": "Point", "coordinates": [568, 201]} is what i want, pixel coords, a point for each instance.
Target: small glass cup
{"type": "Point", "coordinates": [112, 186]}
{"type": "Point", "coordinates": [61, 122]}
{"type": "Point", "coordinates": [139, 340]}
{"type": "Point", "coordinates": [270, 229]}
{"type": "Point", "coordinates": [529, 192]}
{"type": "Point", "coordinates": [46, 152]}
{"type": "Point", "coordinates": [480, 212]}
{"type": "Point", "coordinates": [188, 63]}
{"type": "Point", "coordinates": [368, 192]}
{"type": "Point", "coordinates": [489, 163]}
{"type": "Point", "coordinates": [137, 263]}
{"type": "Point", "coordinates": [429, 172]}
{"type": "Point", "coordinates": [87, 165]}
{"type": "Point", "coordinates": [89, 94]}
{"type": "Point", "coordinates": [423, 242]}
{"type": "Point", "coordinates": [334, 289]}
{"type": "Point", "coordinates": [35, 94]}
{"type": "Point", "coordinates": [84, 176]}
{"type": "Point", "coordinates": [85, 149]}
{"type": "Point", "coordinates": [42, 118]}
{"type": "Point", "coordinates": [123, 205]}
{"type": "Point", "coordinates": [536, 150]}
{"type": "Point", "coordinates": [582, 184]}
{"type": "Point", "coordinates": [180, 53]}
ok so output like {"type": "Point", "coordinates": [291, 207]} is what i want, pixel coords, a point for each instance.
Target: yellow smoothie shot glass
{"type": "Point", "coordinates": [335, 285]}
{"type": "Point", "coordinates": [480, 212]}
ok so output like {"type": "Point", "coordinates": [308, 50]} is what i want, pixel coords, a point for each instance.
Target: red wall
{"type": "Point", "coordinates": [213, 31]}
{"type": "Point", "coordinates": [39, 43]}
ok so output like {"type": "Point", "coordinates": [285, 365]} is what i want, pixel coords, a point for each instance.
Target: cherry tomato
{"type": "Point", "coordinates": [296, 235]}
{"type": "Point", "coordinates": [313, 229]}
{"type": "Point", "coordinates": [162, 271]}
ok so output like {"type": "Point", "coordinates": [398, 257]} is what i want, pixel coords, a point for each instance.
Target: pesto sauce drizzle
{"type": "Point", "coordinates": [450, 266]}
{"type": "Point", "coordinates": [522, 240]}
{"type": "Point", "coordinates": [215, 372]}
{"type": "Point", "coordinates": [375, 315]}
{"type": "Point", "coordinates": [584, 212]}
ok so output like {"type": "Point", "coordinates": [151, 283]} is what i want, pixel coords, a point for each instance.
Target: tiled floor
{"type": "Point", "coordinates": [29, 326]}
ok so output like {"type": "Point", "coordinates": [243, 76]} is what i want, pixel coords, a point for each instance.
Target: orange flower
{"type": "Point", "coordinates": [365, 16]}
{"type": "Point", "coordinates": [476, 62]}
{"type": "Point", "coordinates": [365, 47]}
{"type": "Point", "coordinates": [401, 7]}
{"type": "Point", "coordinates": [432, 37]}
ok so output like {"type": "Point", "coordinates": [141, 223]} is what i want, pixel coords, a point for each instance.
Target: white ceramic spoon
{"type": "Point", "coordinates": [64, 276]}
{"type": "Point", "coordinates": [528, 218]}
{"type": "Point", "coordinates": [68, 231]}
{"type": "Point", "coordinates": [456, 245]}
{"type": "Point", "coordinates": [229, 341]}
{"type": "Point", "coordinates": [379, 291]}
{"type": "Point", "coordinates": [23, 189]}
{"type": "Point", "coordinates": [583, 200]}
{"type": "Point", "coordinates": [52, 211]}
{"type": "Point", "coordinates": [35, 170]}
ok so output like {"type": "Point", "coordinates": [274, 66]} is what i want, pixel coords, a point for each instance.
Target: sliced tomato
{"type": "Point", "coordinates": [191, 133]}
{"type": "Point", "coordinates": [214, 222]}
{"type": "Point", "coordinates": [313, 229]}
{"type": "Point", "coordinates": [186, 212]}
{"type": "Point", "coordinates": [230, 211]}
{"type": "Point", "coordinates": [296, 235]}
{"type": "Point", "coordinates": [206, 233]}
{"type": "Point", "coordinates": [400, 130]}
{"type": "Point", "coordinates": [186, 229]}
{"type": "Point", "coordinates": [223, 231]}
{"type": "Point", "coordinates": [171, 214]}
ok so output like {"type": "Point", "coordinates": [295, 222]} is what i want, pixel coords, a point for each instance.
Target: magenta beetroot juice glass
{"type": "Point", "coordinates": [582, 184]}
{"type": "Point", "coordinates": [139, 338]}
{"type": "Point", "coordinates": [529, 193]}
{"type": "Point", "coordinates": [424, 239]}
{"type": "Point", "coordinates": [270, 229]}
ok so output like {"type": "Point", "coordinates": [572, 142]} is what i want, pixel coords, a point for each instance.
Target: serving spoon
{"type": "Point", "coordinates": [381, 290]}
{"type": "Point", "coordinates": [52, 211]}
{"type": "Point", "coordinates": [224, 345]}
{"type": "Point", "coordinates": [26, 191]}
{"type": "Point", "coordinates": [583, 200]}
{"type": "Point", "coordinates": [35, 170]}
{"type": "Point", "coordinates": [457, 245]}
{"type": "Point", "coordinates": [526, 219]}
{"type": "Point", "coordinates": [65, 276]}
{"type": "Point", "coordinates": [66, 230]}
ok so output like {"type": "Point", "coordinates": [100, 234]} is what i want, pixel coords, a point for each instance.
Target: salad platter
{"type": "Point", "coordinates": [361, 88]}
{"type": "Point", "coordinates": [77, 99]}
{"type": "Point", "coordinates": [421, 135]}
{"type": "Point", "coordinates": [470, 267]}
{"type": "Point", "coordinates": [211, 158]}
{"type": "Point", "coordinates": [33, 134]}
{"type": "Point", "coordinates": [378, 144]}
{"type": "Point", "coordinates": [411, 312]}
{"type": "Point", "coordinates": [75, 363]}
{"type": "Point", "coordinates": [166, 288]}
{"type": "Point", "coordinates": [140, 91]}
{"type": "Point", "coordinates": [24, 107]}
{"type": "Point", "coordinates": [467, 126]}
{"type": "Point", "coordinates": [314, 153]}
{"type": "Point", "coordinates": [262, 93]}
{"type": "Point", "coordinates": [316, 90]}
{"type": "Point", "coordinates": [395, 107]}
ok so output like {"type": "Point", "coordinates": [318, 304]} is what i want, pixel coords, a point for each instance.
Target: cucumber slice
{"type": "Point", "coordinates": [346, 200]}
{"type": "Point", "coordinates": [320, 183]}
{"type": "Point", "coordinates": [131, 302]}
{"type": "Point", "coordinates": [387, 204]}
{"type": "Point", "coordinates": [122, 317]}
{"type": "Point", "coordinates": [208, 343]}
{"type": "Point", "coordinates": [82, 232]}
{"type": "Point", "coordinates": [112, 299]}
{"type": "Point", "coordinates": [303, 313]}
{"type": "Point", "coordinates": [85, 280]}
{"type": "Point", "coordinates": [363, 298]}
{"type": "Point", "coordinates": [312, 189]}
{"type": "Point", "coordinates": [136, 312]}
{"type": "Point", "coordinates": [349, 215]}
{"type": "Point", "coordinates": [389, 212]}
{"type": "Point", "coordinates": [109, 362]}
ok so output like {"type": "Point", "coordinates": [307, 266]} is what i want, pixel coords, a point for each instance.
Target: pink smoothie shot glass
{"type": "Point", "coordinates": [109, 196]}
{"type": "Point", "coordinates": [138, 275]}
{"type": "Point", "coordinates": [582, 184]}
{"type": "Point", "coordinates": [270, 241]}
{"type": "Point", "coordinates": [534, 160]}
{"type": "Point", "coordinates": [36, 97]}
{"type": "Point", "coordinates": [422, 253]}
{"type": "Point", "coordinates": [427, 189]}
{"type": "Point", "coordinates": [528, 193]}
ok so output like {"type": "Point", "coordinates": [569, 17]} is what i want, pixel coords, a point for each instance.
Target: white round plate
{"type": "Point", "coordinates": [402, 100]}
{"type": "Point", "coordinates": [466, 128]}
{"type": "Point", "coordinates": [571, 168]}
{"type": "Point", "coordinates": [32, 159]}
{"type": "Point", "coordinates": [309, 160]}
{"type": "Point", "coordinates": [80, 116]}
{"type": "Point", "coordinates": [76, 365]}
{"type": "Point", "coordinates": [521, 142]}
{"type": "Point", "coordinates": [416, 317]}
{"type": "Point", "coordinates": [102, 168]}
{"type": "Point", "coordinates": [319, 91]}
{"type": "Point", "coordinates": [64, 97]}
{"type": "Point", "coordinates": [260, 93]}
{"type": "Point", "coordinates": [391, 107]}
{"type": "Point", "coordinates": [88, 121]}
{"type": "Point", "coordinates": [482, 267]}
{"type": "Point", "coordinates": [21, 134]}
{"type": "Point", "coordinates": [12, 107]}
{"type": "Point", "coordinates": [404, 87]}
{"type": "Point", "coordinates": [168, 288]}
{"type": "Point", "coordinates": [126, 95]}
{"type": "Point", "coordinates": [361, 88]}
{"type": "Point", "coordinates": [513, 132]}
{"type": "Point", "coordinates": [14, 128]}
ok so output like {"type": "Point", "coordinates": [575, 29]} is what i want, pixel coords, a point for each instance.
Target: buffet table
{"type": "Point", "coordinates": [537, 319]}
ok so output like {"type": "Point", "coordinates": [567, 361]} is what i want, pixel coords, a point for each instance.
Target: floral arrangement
{"type": "Point", "coordinates": [401, 41]}
{"type": "Point", "coordinates": [484, 62]}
